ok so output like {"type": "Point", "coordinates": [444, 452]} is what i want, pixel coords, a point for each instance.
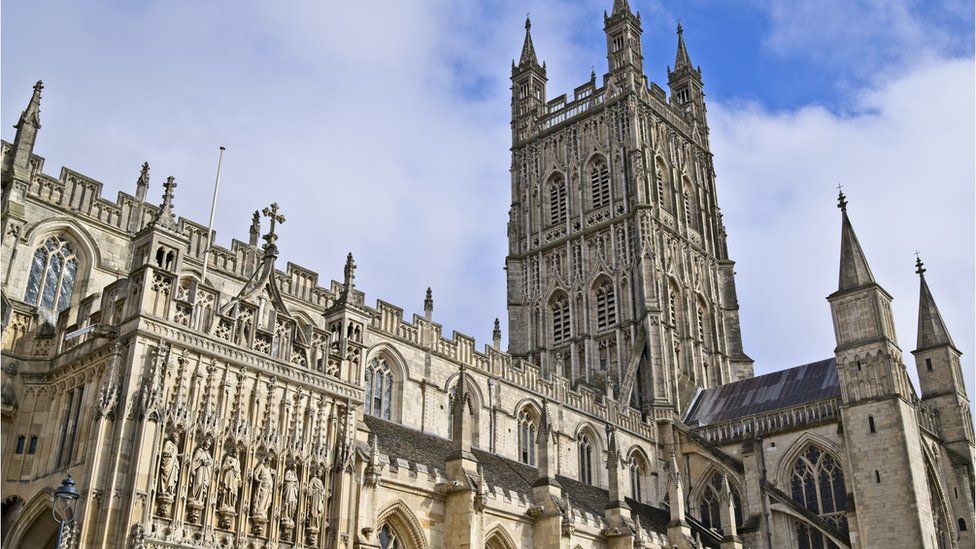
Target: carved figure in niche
{"type": "Point", "coordinates": [289, 500]}
{"type": "Point", "coordinates": [201, 467]}
{"type": "Point", "coordinates": [169, 468]}
{"type": "Point", "coordinates": [316, 498]}
{"type": "Point", "coordinates": [264, 486]}
{"type": "Point", "coordinates": [230, 481]}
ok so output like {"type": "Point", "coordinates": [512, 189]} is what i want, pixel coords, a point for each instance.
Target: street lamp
{"type": "Point", "coordinates": [64, 505]}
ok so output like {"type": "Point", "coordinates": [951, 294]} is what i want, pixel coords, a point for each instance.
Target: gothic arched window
{"type": "Point", "coordinates": [52, 275]}
{"type": "Point", "coordinates": [709, 504]}
{"type": "Point", "coordinates": [388, 539]}
{"type": "Point", "coordinates": [585, 448]}
{"type": "Point", "coordinates": [663, 185]}
{"type": "Point", "coordinates": [599, 183]}
{"type": "Point", "coordinates": [606, 306]}
{"type": "Point", "coordinates": [560, 319]}
{"type": "Point", "coordinates": [817, 483]}
{"type": "Point", "coordinates": [637, 472]}
{"type": "Point", "coordinates": [379, 389]}
{"type": "Point", "coordinates": [526, 437]}
{"type": "Point", "coordinates": [557, 200]}
{"type": "Point", "coordinates": [673, 297]}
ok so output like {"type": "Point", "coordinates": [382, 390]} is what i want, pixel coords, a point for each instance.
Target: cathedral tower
{"type": "Point", "coordinates": [618, 273]}
{"type": "Point", "coordinates": [878, 411]}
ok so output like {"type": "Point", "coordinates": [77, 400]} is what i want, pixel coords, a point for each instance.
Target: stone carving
{"type": "Point", "coordinates": [169, 473]}
{"type": "Point", "coordinates": [289, 498]}
{"type": "Point", "coordinates": [201, 467]}
{"type": "Point", "coordinates": [263, 490]}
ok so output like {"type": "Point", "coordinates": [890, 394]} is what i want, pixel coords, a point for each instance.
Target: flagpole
{"type": "Point", "coordinates": [213, 210]}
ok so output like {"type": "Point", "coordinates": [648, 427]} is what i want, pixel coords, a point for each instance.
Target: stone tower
{"type": "Point", "coordinates": [878, 411]}
{"type": "Point", "coordinates": [618, 271]}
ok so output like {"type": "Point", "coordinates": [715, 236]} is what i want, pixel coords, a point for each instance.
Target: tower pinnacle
{"type": "Point", "coordinates": [682, 60]}
{"type": "Point", "coordinates": [528, 50]}
{"type": "Point", "coordinates": [854, 269]}
{"type": "Point", "coordinates": [932, 330]}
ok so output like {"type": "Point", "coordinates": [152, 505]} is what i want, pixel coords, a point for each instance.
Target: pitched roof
{"type": "Point", "coordinates": [399, 442]}
{"type": "Point", "coordinates": [757, 395]}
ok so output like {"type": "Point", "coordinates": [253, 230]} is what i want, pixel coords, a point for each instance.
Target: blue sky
{"type": "Point", "coordinates": [382, 128]}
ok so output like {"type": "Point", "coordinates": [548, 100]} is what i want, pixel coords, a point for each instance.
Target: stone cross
{"type": "Point", "coordinates": [271, 212]}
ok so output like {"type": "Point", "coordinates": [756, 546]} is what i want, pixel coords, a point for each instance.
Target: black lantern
{"type": "Point", "coordinates": [64, 505]}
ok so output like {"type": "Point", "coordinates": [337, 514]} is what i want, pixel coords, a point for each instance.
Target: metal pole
{"type": "Point", "coordinates": [213, 210]}
{"type": "Point", "coordinates": [60, 532]}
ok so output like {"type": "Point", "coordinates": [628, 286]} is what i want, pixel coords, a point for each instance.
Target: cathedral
{"type": "Point", "coordinates": [199, 395]}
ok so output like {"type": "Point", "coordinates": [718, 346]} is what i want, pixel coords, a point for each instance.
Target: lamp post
{"type": "Point", "coordinates": [64, 505]}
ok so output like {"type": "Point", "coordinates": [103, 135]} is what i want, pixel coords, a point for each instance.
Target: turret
{"type": "Point", "coordinates": [685, 82]}
{"type": "Point", "coordinates": [528, 88]}
{"type": "Point", "coordinates": [623, 29]}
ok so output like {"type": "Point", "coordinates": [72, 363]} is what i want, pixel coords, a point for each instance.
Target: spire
{"type": "Point", "coordinates": [349, 272]}
{"type": "Point", "coordinates": [682, 60]}
{"type": "Point", "coordinates": [528, 50]}
{"type": "Point", "coordinates": [32, 114]}
{"type": "Point", "coordinates": [854, 269]}
{"type": "Point", "coordinates": [164, 216]}
{"type": "Point", "coordinates": [621, 7]}
{"type": "Point", "coordinates": [932, 331]}
{"type": "Point", "coordinates": [142, 184]}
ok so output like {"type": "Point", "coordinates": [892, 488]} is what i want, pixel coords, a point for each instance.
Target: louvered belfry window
{"type": "Point", "coordinates": [600, 183]}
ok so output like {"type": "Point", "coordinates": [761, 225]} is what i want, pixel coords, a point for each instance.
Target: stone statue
{"type": "Point", "coordinates": [169, 468]}
{"type": "Point", "coordinates": [201, 467]}
{"type": "Point", "coordinates": [230, 480]}
{"type": "Point", "coordinates": [316, 498]}
{"type": "Point", "coordinates": [263, 488]}
{"type": "Point", "coordinates": [289, 498]}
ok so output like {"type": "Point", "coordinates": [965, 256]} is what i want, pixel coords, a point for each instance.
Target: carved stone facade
{"type": "Point", "coordinates": [260, 408]}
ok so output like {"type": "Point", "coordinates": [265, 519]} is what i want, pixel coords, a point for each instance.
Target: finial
{"type": "Point", "coordinates": [142, 184]}
{"type": "Point", "coordinates": [528, 22]}
{"type": "Point", "coordinates": [165, 214]}
{"type": "Point", "coordinates": [429, 300]}
{"type": "Point", "coordinates": [681, 29]}
{"type": "Point", "coordinates": [144, 173]}
{"type": "Point", "coordinates": [497, 328]}
{"type": "Point", "coordinates": [919, 266]}
{"type": "Point", "coordinates": [349, 271]}
{"type": "Point", "coordinates": [841, 198]}
{"type": "Point", "coordinates": [255, 218]}
{"type": "Point", "coordinates": [272, 213]}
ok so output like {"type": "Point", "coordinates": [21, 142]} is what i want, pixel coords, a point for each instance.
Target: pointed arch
{"type": "Point", "coordinates": [383, 377]}
{"type": "Point", "coordinates": [527, 417]}
{"type": "Point", "coordinates": [662, 180]}
{"type": "Point", "coordinates": [401, 519]}
{"type": "Point", "coordinates": [605, 303]}
{"type": "Point", "coordinates": [639, 467]}
{"type": "Point", "coordinates": [589, 451]}
{"type": "Point", "coordinates": [598, 174]}
{"type": "Point", "coordinates": [705, 496]}
{"type": "Point", "coordinates": [785, 466]}
{"type": "Point", "coordinates": [557, 195]}
{"type": "Point", "coordinates": [475, 404]}
{"type": "Point", "coordinates": [499, 538]}
{"type": "Point", "coordinates": [559, 316]}
{"type": "Point", "coordinates": [35, 526]}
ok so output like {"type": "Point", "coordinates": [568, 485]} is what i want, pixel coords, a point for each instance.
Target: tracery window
{"type": "Point", "coordinates": [388, 539]}
{"type": "Point", "coordinates": [600, 183]}
{"type": "Point", "coordinates": [52, 275]}
{"type": "Point", "coordinates": [637, 472]}
{"type": "Point", "coordinates": [557, 200]}
{"type": "Point", "coordinates": [560, 319]}
{"type": "Point", "coordinates": [817, 483]}
{"type": "Point", "coordinates": [527, 437]}
{"type": "Point", "coordinates": [379, 389]}
{"type": "Point", "coordinates": [585, 448]}
{"type": "Point", "coordinates": [709, 504]}
{"type": "Point", "coordinates": [606, 306]}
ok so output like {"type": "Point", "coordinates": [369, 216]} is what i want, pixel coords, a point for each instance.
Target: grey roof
{"type": "Point", "coordinates": [399, 442]}
{"type": "Point", "coordinates": [932, 330]}
{"type": "Point", "coordinates": [761, 394]}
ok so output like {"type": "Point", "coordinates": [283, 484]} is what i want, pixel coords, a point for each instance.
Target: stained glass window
{"type": "Point", "coordinates": [388, 539]}
{"type": "Point", "coordinates": [52, 276]}
{"type": "Point", "coordinates": [817, 483]}
{"type": "Point", "coordinates": [709, 504]}
{"type": "Point", "coordinates": [379, 389]}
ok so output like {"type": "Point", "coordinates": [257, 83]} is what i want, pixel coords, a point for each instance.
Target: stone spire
{"type": "Point", "coordinates": [854, 269]}
{"type": "Point", "coordinates": [461, 421]}
{"type": "Point", "coordinates": [32, 114]}
{"type": "Point", "coordinates": [429, 304]}
{"type": "Point", "coordinates": [349, 273]}
{"type": "Point", "coordinates": [164, 216]}
{"type": "Point", "coordinates": [496, 335]}
{"type": "Point", "coordinates": [932, 331]}
{"type": "Point", "coordinates": [621, 7]}
{"type": "Point", "coordinates": [255, 229]}
{"type": "Point", "coordinates": [528, 56]}
{"type": "Point", "coordinates": [23, 145]}
{"type": "Point", "coordinates": [682, 60]}
{"type": "Point", "coordinates": [142, 184]}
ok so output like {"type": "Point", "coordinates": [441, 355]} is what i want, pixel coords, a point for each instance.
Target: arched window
{"type": "Point", "coordinates": [606, 306]}
{"type": "Point", "coordinates": [817, 483]}
{"type": "Point", "coordinates": [637, 472]}
{"type": "Point", "coordinates": [388, 539]}
{"type": "Point", "coordinates": [673, 297]}
{"type": "Point", "coordinates": [663, 185]}
{"type": "Point", "coordinates": [585, 448]}
{"type": "Point", "coordinates": [526, 436]}
{"type": "Point", "coordinates": [560, 319]}
{"type": "Point", "coordinates": [557, 200]}
{"type": "Point", "coordinates": [52, 275]}
{"type": "Point", "coordinates": [709, 504]}
{"type": "Point", "coordinates": [379, 389]}
{"type": "Point", "coordinates": [599, 183]}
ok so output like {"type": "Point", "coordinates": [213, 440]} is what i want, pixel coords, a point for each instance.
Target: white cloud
{"type": "Point", "coordinates": [905, 156]}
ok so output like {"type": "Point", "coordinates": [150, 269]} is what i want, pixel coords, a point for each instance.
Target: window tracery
{"type": "Point", "coordinates": [637, 472]}
{"type": "Point", "coordinates": [52, 275]}
{"type": "Point", "coordinates": [600, 183]}
{"type": "Point", "coordinates": [526, 437]}
{"type": "Point", "coordinates": [709, 503]}
{"type": "Point", "coordinates": [585, 449]}
{"type": "Point", "coordinates": [817, 483]}
{"type": "Point", "coordinates": [379, 389]}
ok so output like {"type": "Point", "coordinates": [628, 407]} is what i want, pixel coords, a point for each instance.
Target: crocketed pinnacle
{"type": "Point", "coordinates": [854, 269]}
{"type": "Point", "coordinates": [621, 7]}
{"type": "Point", "coordinates": [932, 330]}
{"type": "Point", "coordinates": [528, 50]}
{"type": "Point", "coordinates": [32, 114]}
